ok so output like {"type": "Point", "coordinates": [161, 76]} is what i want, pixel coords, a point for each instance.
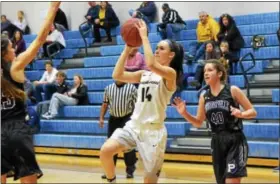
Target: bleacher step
{"type": "Point", "coordinates": [272, 70]}
{"type": "Point", "coordinates": [265, 84]}
{"type": "Point", "coordinates": [72, 63]}
{"type": "Point", "coordinates": [205, 150]}
{"type": "Point", "coordinates": [194, 141]}
{"type": "Point", "coordinates": [93, 51]}
{"type": "Point", "coordinates": [261, 99]}
{"type": "Point", "coordinates": [203, 132]}
{"type": "Point", "coordinates": [267, 77]}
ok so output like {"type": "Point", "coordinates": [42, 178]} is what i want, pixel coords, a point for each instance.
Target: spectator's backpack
{"type": "Point", "coordinates": [33, 120]}
{"type": "Point", "coordinates": [258, 41]}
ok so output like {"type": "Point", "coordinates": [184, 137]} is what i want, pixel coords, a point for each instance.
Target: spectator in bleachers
{"type": "Point", "coordinates": [121, 98]}
{"type": "Point", "coordinates": [278, 34]}
{"type": "Point", "coordinates": [171, 24]}
{"type": "Point", "coordinates": [230, 58]}
{"type": "Point", "coordinates": [18, 43]}
{"type": "Point", "coordinates": [147, 11]}
{"type": "Point", "coordinates": [60, 86]}
{"type": "Point", "coordinates": [77, 95]}
{"type": "Point", "coordinates": [54, 37]}
{"type": "Point", "coordinates": [21, 23]}
{"type": "Point", "coordinates": [61, 21]}
{"type": "Point", "coordinates": [107, 19]}
{"type": "Point", "coordinates": [230, 33]}
{"type": "Point", "coordinates": [135, 61]}
{"type": "Point", "coordinates": [4, 22]}
{"type": "Point", "coordinates": [207, 30]}
{"type": "Point", "coordinates": [210, 53]}
{"type": "Point", "coordinates": [46, 81]}
{"type": "Point", "coordinates": [92, 13]}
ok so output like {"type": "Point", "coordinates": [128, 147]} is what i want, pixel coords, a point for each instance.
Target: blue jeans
{"type": "Point", "coordinates": [48, 89]}
{"type": "Point", "coordinates": [198, 51]}
{"type": "Point", "coordinates": [170, 30]}
{"type": "Point", "coordinates": [59, 100]}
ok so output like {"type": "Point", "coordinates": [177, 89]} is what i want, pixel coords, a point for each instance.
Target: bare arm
{"type": "Point", "coordinates": [249, 111]}
{"type": "Point", "coordinates": [103, 111]}
{"type": "Point", "coordinates": [17, 69]}
{"type": "Point", "coordinates": [120, 74]}
{"type": "Point", "coordinates": [169, 74]}
{"type": "Point", "coordinates": [197, 120]}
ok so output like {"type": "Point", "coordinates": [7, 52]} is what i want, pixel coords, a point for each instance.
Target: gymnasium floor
{"type": "Point", "coordinates": [69, 169]}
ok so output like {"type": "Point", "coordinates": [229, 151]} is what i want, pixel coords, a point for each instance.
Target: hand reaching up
{"type": "Point", "coordinates": [142, 28]}
{"type": "Point", "coordinates": [180, 105]}
{"type": "Point", "coordinates": [55, 5]}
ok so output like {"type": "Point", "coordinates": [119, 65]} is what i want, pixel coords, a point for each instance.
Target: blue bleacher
{"type": "Point", "coordinates": [276, 95]}
{"type": "Point", "coordinates": [40, 64]}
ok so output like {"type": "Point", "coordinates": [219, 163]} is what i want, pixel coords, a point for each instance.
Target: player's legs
{"type": "Point", "coordinates": [233, 180]}
{"type": "Point", "coordinates": [107, 152]}
{"type": "Point", "coordinates": [29, 179]}
{"type": "Point", "coordinates": [3, 178]}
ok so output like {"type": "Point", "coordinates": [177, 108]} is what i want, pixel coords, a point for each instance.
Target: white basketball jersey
{"type": "Point", "coordinates": [152, 99]}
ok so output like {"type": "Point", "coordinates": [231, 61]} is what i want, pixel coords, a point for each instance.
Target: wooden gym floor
{"type": "Point", "coordinates": [73, 169]}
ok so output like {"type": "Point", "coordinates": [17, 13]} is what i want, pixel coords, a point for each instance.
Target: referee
{"type": "Point", "coordinates": [121, 98]}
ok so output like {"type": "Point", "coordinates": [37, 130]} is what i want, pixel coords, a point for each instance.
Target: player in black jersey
{"type": "Point", "coordinates": [220, 107]}
{"type": "Point", "coordinates": [17, 151]}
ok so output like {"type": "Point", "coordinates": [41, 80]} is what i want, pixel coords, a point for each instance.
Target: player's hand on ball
{"type": "Point", "coordinates": [142, 28]}
{"type": "Point", "coordinates": [180, 105]}
{"type": "Point", "coordinates": [235, 112]}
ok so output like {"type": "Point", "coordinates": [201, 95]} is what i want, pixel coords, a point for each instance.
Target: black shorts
{"type": "Point", "coordinates": [229, 155]}
{"type": "Point", "coordinates": [17, 150]}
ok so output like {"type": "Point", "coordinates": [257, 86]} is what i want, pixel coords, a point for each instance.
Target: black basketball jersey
{"type": "Point", "coordinates": [218, 112]}
{"type": "Point", "coordinates": [11, 108]}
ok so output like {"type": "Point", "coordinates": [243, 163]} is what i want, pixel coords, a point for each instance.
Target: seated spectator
{"type": "Point", "coordinates": [226, 55]}
{"type": "Point", "coordinates": [278, 34]}
{"type": "Point", "coordinates": [4, 22]}
{"type": "Point", "coordinates": [135, 61]}
{"type": "Point", "coordinates": [61, 87]}
{"type": "Point", "coordinates": [54, 36]}
{"type": "Point", "coordinates": [210, 53]}
{"type": "Point", "coordinates": [93, 11]}
{"type": "Point", "coordinates": [7, 26]}
{"type": "Point", "coordinates": [75, 96]}
{"type": "Point", "coordinates": [207, 30]}
{"type": "Point", "coordinates": [107, 19]}
{"type": "Point", "coordinates": [21, 23]}
{"type": "Point", "coordinates": [171, 23]}
{"type": "Point", "coordinates": [18, 43]}
{"type": "Point", "coordinates": [60, 21]}
{"type": "Point", "coordinates": [147, 11]}
{"type": "Point", "coordinates": [230, 33]}
{"type": "Point", "coordinates": [47, 81]}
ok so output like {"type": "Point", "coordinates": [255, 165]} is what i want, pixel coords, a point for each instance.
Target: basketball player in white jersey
{"type": "Point", "coordinates": [146, 129]}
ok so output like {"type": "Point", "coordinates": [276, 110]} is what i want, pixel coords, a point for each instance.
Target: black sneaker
{"type": "Point", "coordinates": [129, 176]}
{"type": "Point", "coordinates": [107, 40]}
{"type": "Point", "coordinates": [103, 176]}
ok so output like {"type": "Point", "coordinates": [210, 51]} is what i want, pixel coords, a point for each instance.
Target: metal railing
{"type": "Point", "coordinates": [244, 72]}
{"type": "Point", "coordinates": [84, 33]}
{"type": "Point", "coordinates": [54, 44]}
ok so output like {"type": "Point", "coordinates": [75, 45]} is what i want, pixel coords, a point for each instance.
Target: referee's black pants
{"type": "Point", "coordinates": [130, 157]}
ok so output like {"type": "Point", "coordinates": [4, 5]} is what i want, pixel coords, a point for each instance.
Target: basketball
{"type": "Point", "coordinates": [130, 33]}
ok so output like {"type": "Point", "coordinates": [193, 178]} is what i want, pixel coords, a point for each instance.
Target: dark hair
{"type": "Point", "coordinates": [165, 6]}
{"type": "Point", "coordinates": [20, 33]}
{"type": "Point", "coordinates": [4, 47]}
{"type": "Point", "coordinates": [9, 90]}
{"type": "Point", "coordinates": [231, 22]}
{"type": "Point", "coordinates": [177, 61]}
{"type": "Point", "coordinates": [218, 65]}
{"type": "Point", "coordinates": [214, 54]}
{"type": "Point", "coordinates": [48, 63]}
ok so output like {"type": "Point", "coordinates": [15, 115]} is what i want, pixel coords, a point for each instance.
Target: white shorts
{"type": "Point", "coordinates": [149, 139]}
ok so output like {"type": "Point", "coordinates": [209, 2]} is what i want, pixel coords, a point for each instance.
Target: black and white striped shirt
{"type": "Point", "coordinates": [121, 99]}
{"type": "Point", "coordinates": [172, 16]}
